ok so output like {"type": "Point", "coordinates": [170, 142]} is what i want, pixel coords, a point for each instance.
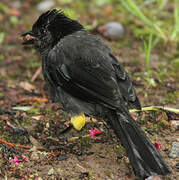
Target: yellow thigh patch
{"type": "Point", "coordinates": [78, 121]}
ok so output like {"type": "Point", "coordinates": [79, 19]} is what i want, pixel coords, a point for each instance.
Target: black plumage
{"type": "Point", "coordinates": [84, 77]}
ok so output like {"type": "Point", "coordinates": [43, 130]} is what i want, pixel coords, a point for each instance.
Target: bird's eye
{"type": "Point", "coordinates": [43, 31]}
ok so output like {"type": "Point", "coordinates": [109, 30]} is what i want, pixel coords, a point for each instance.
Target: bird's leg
{"type": "Point", "coordinates": [78, 121]}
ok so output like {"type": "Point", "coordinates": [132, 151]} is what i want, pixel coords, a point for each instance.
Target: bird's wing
{"type": "Point", "coordinates": [125, 84]}
{"type": "Point", "coordinates": [88, 76]}
{"type": "Point", "coordinates": [91, 74]}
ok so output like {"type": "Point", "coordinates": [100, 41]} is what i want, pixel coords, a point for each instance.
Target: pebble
{"type": "Point", "coordinates": [155, 177]}
{"type": "Point", "coordinates": [112, 30]}
{"type": "Point", "coordinates": [174, 153]}
{"type": "Point", "coordinates": [45, 5]}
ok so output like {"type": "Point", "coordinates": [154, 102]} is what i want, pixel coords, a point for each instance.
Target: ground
{"type": "Point", "coordinates": [38, 132]}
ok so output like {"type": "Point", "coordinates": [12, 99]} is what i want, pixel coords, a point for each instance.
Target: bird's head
{"type": "Point", "coordinates": [49, 28]}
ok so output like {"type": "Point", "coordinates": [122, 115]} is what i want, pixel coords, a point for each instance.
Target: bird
{"type": "Point", "coordinates": [87, 80]}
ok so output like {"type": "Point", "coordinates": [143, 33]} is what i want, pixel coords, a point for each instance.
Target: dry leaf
{"type": "Point", "coordinates": [27, 86]}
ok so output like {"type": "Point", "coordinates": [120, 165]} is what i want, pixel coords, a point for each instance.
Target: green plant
{"type": "Point", "coordinates": [176, 17]}
{"type": "Point", "coordinates": [147, 50]}
{"type": "Point", "coordinates": [159, 29]}
{"type": "Point", "coordinates": [131, 6]}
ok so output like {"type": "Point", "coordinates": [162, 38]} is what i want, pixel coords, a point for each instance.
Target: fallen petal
{"type": "Point", "coordinates": [94, 132]}
{"type": "Point", "coordinates": [158, 146]}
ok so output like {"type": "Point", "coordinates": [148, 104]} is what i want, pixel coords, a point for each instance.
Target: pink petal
{"type": "Point", "coordinates": [158, 146]}
{"type": "Point", "coordinates": [16, 164]}
{"type": "Point", "coordinates": [94, 132]}
{"type": "Point", "coordinates": [15, 158]}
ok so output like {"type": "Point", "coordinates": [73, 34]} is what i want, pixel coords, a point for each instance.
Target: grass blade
{"type": "Point", "coordinates": [135, 10]}
{"type": "Point", "coordinates": [176, 17]}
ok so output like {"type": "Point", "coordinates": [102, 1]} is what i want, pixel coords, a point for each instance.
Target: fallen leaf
{"type": "Point", "coordinates": [27, 86]}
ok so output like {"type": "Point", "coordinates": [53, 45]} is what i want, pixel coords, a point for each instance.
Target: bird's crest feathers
{"type": "Point", "coordinates": [57, 23]}
{"type": "Point", "coordinates": [47, 17]}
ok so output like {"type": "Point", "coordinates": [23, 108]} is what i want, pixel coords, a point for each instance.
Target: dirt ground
{"type": "Point", "coordinates": [31, 125]}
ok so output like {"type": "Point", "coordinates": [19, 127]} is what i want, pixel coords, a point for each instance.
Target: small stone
{"type": "Point", "coordinates": [155, 177]}
{"type": "Point", "coordinates": [112, 30]}
{"type": "Point", "coordinates": [45, 5]}
{"type": "Point", "coordinates": [174, 153]}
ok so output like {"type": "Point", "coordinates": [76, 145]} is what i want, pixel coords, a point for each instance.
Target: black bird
{"type": "Point", "coordinates": [85, 78]}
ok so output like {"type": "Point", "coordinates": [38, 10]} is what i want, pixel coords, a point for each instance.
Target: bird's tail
{"type": "Point", "coordinates": [144, 157]}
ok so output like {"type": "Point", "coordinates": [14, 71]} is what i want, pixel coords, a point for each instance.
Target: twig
{"type": "Point", "coordinates": [155, 108]}
{"type": "Point", "coordinates": [38, 71]}
{"type": "Point", "coordinates": [21, 146]}
{"type": "Point", "coordinates": [53, 156]}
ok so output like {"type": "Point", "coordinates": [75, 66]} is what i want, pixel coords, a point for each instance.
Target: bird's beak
{"type": "Point", "coordinates": [28, 38]}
